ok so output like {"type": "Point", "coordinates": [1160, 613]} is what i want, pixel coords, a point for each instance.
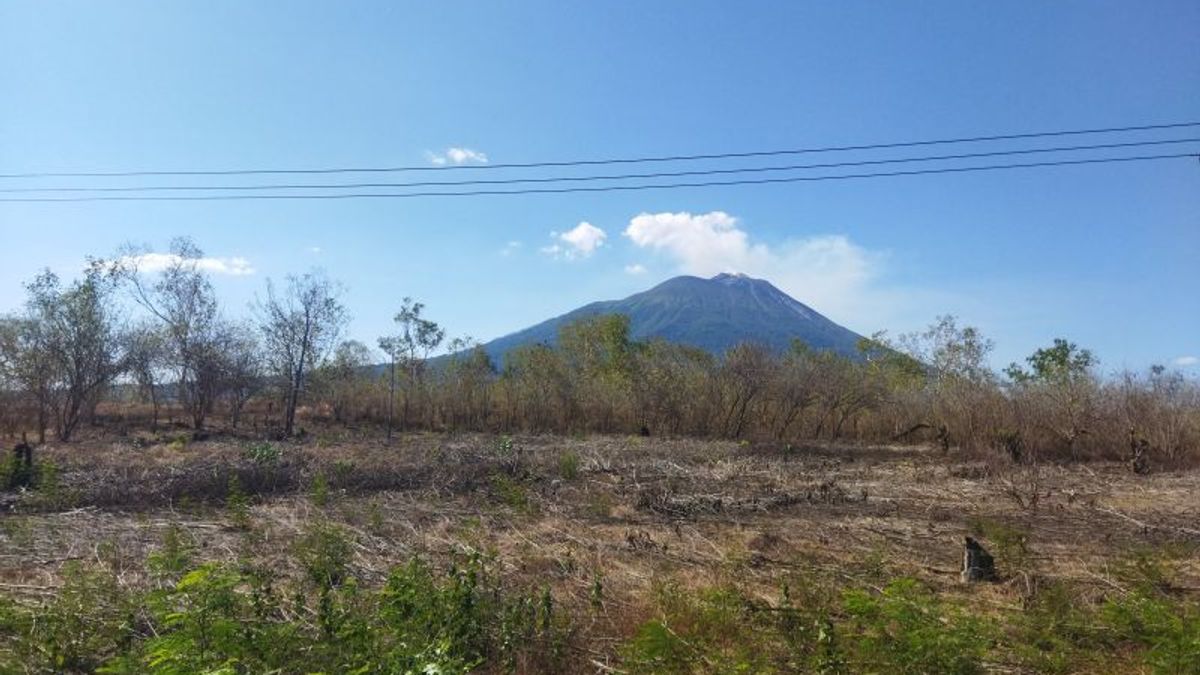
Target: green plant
{"type": "Point", "coordinates": [324, 551]}
{"type": "Point", "coordinates": [88, 619]}
{"type": "Point", "coordinates": [505, 446]}
{"type": "Point", "coordinates": [237, 504]}
{"type": "Point", "coordinates": [343, 470]}
{"type": "Point", "coordinates": [319, 490]}
{"type": "Point", "coordinates": [375, 520]}
{"type": "Point", "coordinates": [262, 453]}
{"type": "Point", "coordinates": [568, 465]}
{"type": "Point", "coordinates": [714, 630]}
{"type": "Point", "coordinates": [173, 556]}
{"type": "Point", "coordinates": [1166, 629]}
{"type": "Point", "coordinates": [512, 493]}
{"type": "Point", "coordinates": [906, 629]}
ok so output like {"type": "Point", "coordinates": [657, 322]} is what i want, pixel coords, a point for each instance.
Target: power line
{"type": "Point", "coordinates": [607, 188]}
{"type": "Point", "coordinates": [597, 162]}
{"type": "Point", "coordinates": [570, 179]}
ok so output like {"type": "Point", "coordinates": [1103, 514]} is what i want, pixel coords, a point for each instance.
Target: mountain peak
{"type": "Point", "coordinates": [730, 278]}
{"type": "Point", "coordinates": [713, 314]}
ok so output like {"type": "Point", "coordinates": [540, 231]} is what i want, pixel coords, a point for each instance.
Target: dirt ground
{"type": "Point", "coordinates": [569, 512]}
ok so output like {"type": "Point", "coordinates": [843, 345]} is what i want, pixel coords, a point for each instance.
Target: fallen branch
{"type": "Point", "coordinates": [1148, 526]}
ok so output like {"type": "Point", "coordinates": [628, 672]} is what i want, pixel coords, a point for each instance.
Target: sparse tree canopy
{"type": "Point", "coordinates": [69, 336]}
{"type": "Point", "coordinates": [181, 297]}
{"type": "Point", "coordinates": [410, 348]}
{"type": "Point", "coordinates": [299, 327]}
{"type": "Point", "coordinates": [1062, 362]}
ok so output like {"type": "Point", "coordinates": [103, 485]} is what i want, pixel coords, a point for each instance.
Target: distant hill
{"type": "Point", "coordinates": [713, 314]}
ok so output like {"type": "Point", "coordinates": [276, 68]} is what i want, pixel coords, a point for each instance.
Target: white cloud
{"type": "Point", "coordinates": [578, 242]}
{"type": "Point", "coordinates": [157, 262]}
{"type": "Point", "coordinates": [1185, 361]}
{"type": "Point", "coordinates": [315, 250]}
{"type": "Point", "coordinates": [829, 272]}
{"type": "Point", "coordinates": [510, 248]}
{"type": "Point", "coordinates": [456, 156]}
{"type": "Point", "coordinates": [704, 244]}
{"type": "Point", "coordinates": [635, 269]}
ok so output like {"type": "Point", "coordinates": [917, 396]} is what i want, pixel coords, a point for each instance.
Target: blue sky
{"type": "Point", "coordinates": [1108, 256]}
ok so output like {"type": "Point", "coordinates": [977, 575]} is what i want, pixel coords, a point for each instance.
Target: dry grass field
{"type": "Point", "coordinates": [618, 529]}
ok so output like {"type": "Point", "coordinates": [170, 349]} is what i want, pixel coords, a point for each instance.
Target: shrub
{"type": "Point", "coordinates": [319, 491]}
{"type": "Point", "coordinates": [173, 557]}
{"type": "Point", "coordinates": [88, 620]}
{"type": "Point", "coordinates": [1168, 631]}
{"type": "Point", "coordinates": [324, 551]}
{"type": "Point", "coordinates": [262, 453]}
{"type": "Point", "coordinates": [906, 629]}
{"type": "Point", "coordinates": [237, 504]}
{"type": "Point", "coordinates": [512, 494]}
{"type": "Point", "coordinates": [568, 465]}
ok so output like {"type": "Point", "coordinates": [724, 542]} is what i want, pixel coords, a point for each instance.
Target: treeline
{"type": "Point", "coordinates": [124, 333]}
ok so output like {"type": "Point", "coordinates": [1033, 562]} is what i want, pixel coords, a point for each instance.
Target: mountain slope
{"type": "Point", "coordinates": [713, 314]}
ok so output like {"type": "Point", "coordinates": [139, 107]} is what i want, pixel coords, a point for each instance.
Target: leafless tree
{"type": "Point", "coordinates": [25, 358]}
{"type": "Point", "coordinates": [343, 377]}
{"type": "Point", "coordinates": [181, 298]}
{"type": "Point", "coordinates": [145, 357]}
{"type": "Point", "coordinates": [299, 327]}
{"type": "Point", "coordinates": [73, 330]}
{"type": "Point", "coordinates": [243, 366]}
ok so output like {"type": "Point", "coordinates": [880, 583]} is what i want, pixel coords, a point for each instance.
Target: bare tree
{"type": "Point", "coordinates": [299, 327]}
{"type": "Point", "coordinates": [74, 327]}
{"type": "Point", "coordinates": [25, 357]}
{"type": "Point", "coordinates": [466, 383]}
{"type": "Point", "coordinates": [183, 301]}
{"type": "Point", "coordinates": [744, 374]}
{"type": "Point", "coordinates": [145, 356]}
{"type": "Point", "coordinates": [342, 378]}
{"type": "Point", "coordinates": [243, 376]}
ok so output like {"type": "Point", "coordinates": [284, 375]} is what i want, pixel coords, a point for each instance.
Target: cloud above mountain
{"type": "Point", "coordinates": [830, 271]}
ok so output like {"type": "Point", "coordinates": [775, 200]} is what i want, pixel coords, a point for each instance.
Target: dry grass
{"type": "Point", "coordinates": [635, 512]}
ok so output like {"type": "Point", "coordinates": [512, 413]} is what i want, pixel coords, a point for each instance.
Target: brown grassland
{"type": "Point", "coordinates": [623, 532]}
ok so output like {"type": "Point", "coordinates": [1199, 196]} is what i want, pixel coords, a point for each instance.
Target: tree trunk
{"type": "Point", "coordinates": [391, 399]}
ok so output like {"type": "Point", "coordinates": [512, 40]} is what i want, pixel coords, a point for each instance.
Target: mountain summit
{"type": "Point", "coordinates": [713, 314]}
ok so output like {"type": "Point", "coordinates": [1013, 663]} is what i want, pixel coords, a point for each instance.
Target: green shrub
{"type": "Point", "coordinates": [512, 494]}
{"type": "Point", "coordinates": [237, 504]}
{"type": "Point", "coordinates": [89, 619]}
{"type": "Point", "coordinates": [1168, 630]}
{"type": "Point", "coordinates": [906, 629]}
{"type": "Point", "coordinates": [319, 490]}
{"type": "Point", "coordinates": [568, 465]}
{"type": "Point", "coordinates": [712, 631]}
{"type": "Point", "coordinates": [1056, 631]}
{"type": "Point", "coordinates": [324, 551]}
{"type": "Point", "coordinates": [262, 453]}
{"type": "Point", "coordinates": [343, 470]}
{"type": "Point", "coordinates": [173, 557]}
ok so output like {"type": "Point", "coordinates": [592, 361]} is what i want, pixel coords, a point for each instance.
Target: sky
{"type": "Point", "coordinates": [1107, 256]}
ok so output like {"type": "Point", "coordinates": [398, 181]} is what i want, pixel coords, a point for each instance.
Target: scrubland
{"type": "Point", "coordinates": [438, 552]}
